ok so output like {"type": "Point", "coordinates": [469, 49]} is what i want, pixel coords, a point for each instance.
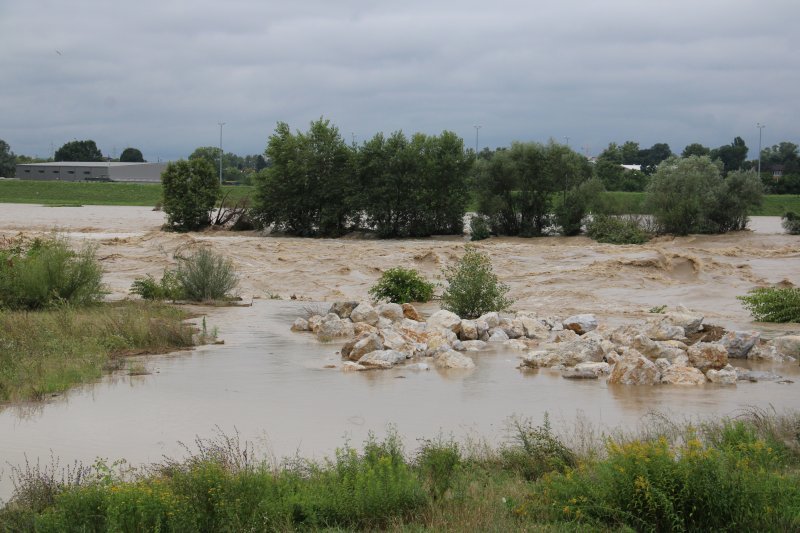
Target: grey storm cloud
{"type": "Point", "coordinates": [160, 75]}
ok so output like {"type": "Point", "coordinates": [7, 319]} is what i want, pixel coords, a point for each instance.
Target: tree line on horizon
{"type": "Point", "coordinates": [399, 186]}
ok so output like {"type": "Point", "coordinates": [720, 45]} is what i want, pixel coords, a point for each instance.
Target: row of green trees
{"type": "Point", "coordinates": [400, 186]}
{"type": "Point", "coordinates": [317, 185]}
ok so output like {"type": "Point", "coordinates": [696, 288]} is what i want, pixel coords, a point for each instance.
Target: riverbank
{"type": "Point", "coordinates": [730, 474]}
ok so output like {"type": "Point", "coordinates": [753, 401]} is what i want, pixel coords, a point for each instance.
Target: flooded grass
{"type": "Point", "coordinates": [729, 474]}
{"type": "Point", "coordinates": [47, 352]}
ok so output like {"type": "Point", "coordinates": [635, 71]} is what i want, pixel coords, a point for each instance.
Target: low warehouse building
{"type": "Point", "coordinates": [86, 171]}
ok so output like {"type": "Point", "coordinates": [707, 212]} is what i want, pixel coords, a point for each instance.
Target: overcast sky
{"type": "Point", "coordinates": [159, 75]}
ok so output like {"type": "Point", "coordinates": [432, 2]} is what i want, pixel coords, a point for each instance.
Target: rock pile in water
{"type": "Point", "coordinates": [672, 348]}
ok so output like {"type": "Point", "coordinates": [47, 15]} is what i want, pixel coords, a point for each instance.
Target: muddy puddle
{"type": "Point", "coordinates": [272, 386]}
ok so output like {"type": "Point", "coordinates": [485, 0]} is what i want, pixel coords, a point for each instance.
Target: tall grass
{"type": "Point", "coordinates": [206, 275]}
{"type": "Point", "coordinates": [723, 475]}
{"type": "Point", "coordinates": [52, 350]}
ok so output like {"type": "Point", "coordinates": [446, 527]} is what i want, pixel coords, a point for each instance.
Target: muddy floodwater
{"type": "Point", "coordinates": [273, 387]}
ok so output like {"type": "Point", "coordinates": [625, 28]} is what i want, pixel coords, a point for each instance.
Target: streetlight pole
{"type": "Point", "coordinates": [220, 151]}
{"type": "Point", "coordinates": [567, 138]}
{"type": "Point", "coordinates": [477, 129]}
{"type": "Point", "coordinates": [760, 127]}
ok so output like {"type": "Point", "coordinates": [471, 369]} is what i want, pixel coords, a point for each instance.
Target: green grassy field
{"type": "Point", "coordinates": [84, 193]}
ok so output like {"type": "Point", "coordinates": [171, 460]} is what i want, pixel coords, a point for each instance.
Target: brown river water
{"type": "Point", "coordinates": [271, 385]}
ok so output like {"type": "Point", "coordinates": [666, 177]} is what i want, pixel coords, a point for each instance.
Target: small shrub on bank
{"type": "Point", "coordinates": [473, 288]}
{"type": "Point", "coordinates": [791, 223]}
{"type": "Point", "coordinates": [771, 304]}
{"type": "Point", "coordinates": [44, 272]}
{"type": "Point", "coordinates": [402, 285]}
{"type": "Point", "coordinates": [615, 230]}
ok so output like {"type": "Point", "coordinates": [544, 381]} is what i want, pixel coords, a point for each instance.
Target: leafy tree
{"type": "Point", "coordinates": [446, 172]}
{"type": "Point", "coordinates": [650, 158]}
{"type": "Point", "coordinates": [79, 151]}
{"type": "Point", "coordinates": [516, 189]}
{"type": "Point", "coordinates": [8, 161]}
{"type": "Point", "coordinates": [401, 285]}
{"type": "Point", "coordinates": [689, 195]}
{"type": "Point", "coordinates": [630, 153]}
{"type": "Point", "coordinates": [732, 155]}
{"type": "Point", "coordinates": [695, 149]}
{"type": "Point", "coordinates": [392, 185]}
{"type": "Point", "coordinates": [784, 154]}
{"type": "Point", "coordinates": [131, 155]}
{"type": "Point", "coordinates": [190, 191]}
{"type": "Point", "coordinates": [307, 191]}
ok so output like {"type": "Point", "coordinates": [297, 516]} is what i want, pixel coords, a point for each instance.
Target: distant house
{"type": "Point", "coordinates": [86, 171]}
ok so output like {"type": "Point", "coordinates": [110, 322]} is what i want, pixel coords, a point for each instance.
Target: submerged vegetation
{"type": "Point", "coordinates": [402, 285]}
{"type": "Point", "coordinates": [200, 277]}
{"type": "Point", "coordinates": [773, 304]}
{"type": "Point", "coordinates": [472, 286]}
{"type": "Point", "coordinates": [724, 475]}
{"type": "Point", "coordinates": [52, 350]}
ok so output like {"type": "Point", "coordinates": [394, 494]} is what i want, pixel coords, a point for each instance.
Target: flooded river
{"type": "Point", "coordinates": [271, 385]}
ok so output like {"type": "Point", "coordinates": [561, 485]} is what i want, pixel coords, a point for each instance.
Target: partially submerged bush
{"type": "Point", "coordinates": [473, 288]}
{"type": "Point", "coordinates": [479, 228]}
{"type": "Point", "coordinates": [771, 304]}
{"type": "Point", "coordinates": [40, 273]}
{"type": "Point", "coordinates": [206, 275]}
{"type": "Point", "coordinates": [615, 230]}
{"type": "Point", "coordinates": [167, 288]}
{"type": "Point", "coordinates": [202, 276]}
{"type": "Point", "coordinates": [791, 223]}
{"type": "Point", "coordinates": [402, 285]}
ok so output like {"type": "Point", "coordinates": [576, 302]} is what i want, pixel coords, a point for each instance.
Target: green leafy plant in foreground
{"type": "Point", "coordinates": [402, 285]}
{"type": "Point", "coordinates": [771, 304]}
{"type": "Point", "coordinates": [473, 288]}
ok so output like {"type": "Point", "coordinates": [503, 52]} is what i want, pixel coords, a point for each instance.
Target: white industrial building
{"type": "Point", "coordinates": [86, 171]}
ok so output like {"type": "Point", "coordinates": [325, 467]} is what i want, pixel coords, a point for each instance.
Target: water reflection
{"type": "Point", "coordinates": [272, 386]}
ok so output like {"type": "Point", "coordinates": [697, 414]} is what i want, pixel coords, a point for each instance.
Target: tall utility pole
{"type": "Point", "coordinates": [220, 151]}
{"type": "Point", "coordinates": [567, 138]}
{"type": "Point", "coordinates": [760, 127]}
{"type": "Point", "coordinates": [477, 129]}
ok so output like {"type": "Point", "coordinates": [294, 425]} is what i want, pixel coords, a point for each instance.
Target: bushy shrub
{"type": "Point", "coordinates": [772, 304]}
{"type": "Point", "coordinates": [44, 272]}
{"type": "Point", "coordinates": [402, 285]}
{"type": "Point", "coordinates": [190, 191]}
{"type": "Point", "coordinates": [791, 223]}
{"type": "Point", "coordinates": [536, 450]}
{"type": "Point", "coordinates": [437, 462]}
{"type": "Point", "coordinates": [168, 288]}
{"type": "Point", "coordinates": [652, 486]}
{"type": "Point", "coordinates": [206, 275]}
{"type": "Point", "coordinates": [479, 228]}
{"type": "Point", "coordinates": [473, 288]}
{"type": "Point", "coordinates": [615, 230]}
